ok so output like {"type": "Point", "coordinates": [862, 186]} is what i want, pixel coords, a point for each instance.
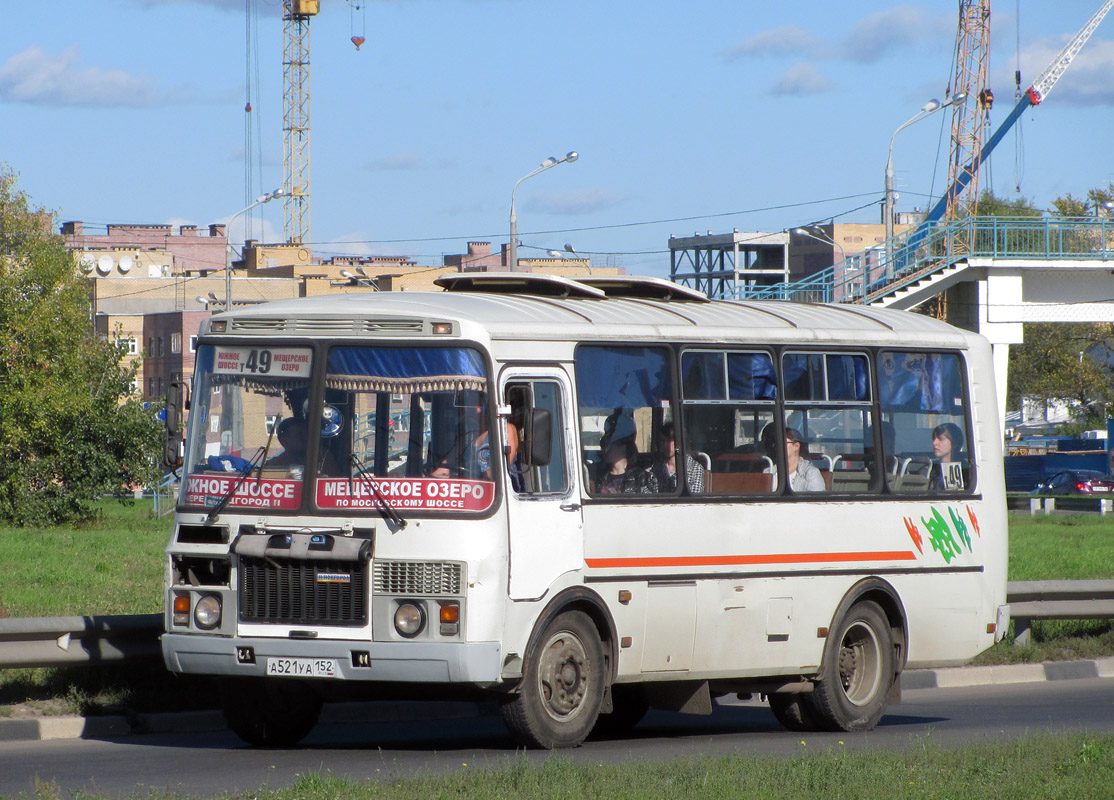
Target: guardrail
{"type": "Point", "coordinates": [68, 641]}
{"type": "Point", "coordinates": [1030, 600]}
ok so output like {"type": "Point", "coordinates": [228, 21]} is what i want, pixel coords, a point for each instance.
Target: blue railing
{"type": "Point", "coordinates": [929, 248]}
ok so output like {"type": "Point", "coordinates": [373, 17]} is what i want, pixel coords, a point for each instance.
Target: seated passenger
{"type": "Point", "coordinates": [469, 459]}
{"type": "Point", "coordinates": [293, 436]}
{"type": "Point", "coordinates": [621, 474]}
{"type": "Point", "coordinates": [803, 475]}
{"type": "Point", "coordinates": [947, 466]}
{"type": "Point", "coordinates": [662, 478]}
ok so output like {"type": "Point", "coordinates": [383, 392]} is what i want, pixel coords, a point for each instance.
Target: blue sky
{"type": "Point", "coordinates": [711, 115]}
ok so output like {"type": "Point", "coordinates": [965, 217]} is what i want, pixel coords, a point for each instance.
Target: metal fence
{"type": "Point", "coordinates": [68, 641]}
{"type": "Point", "coordinates": [927, 249]}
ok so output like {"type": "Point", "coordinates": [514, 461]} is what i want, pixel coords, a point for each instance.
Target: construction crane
{"type": "Point", "coordinates": [296, 15]}
{"type": "Point", "coordinates": [972, 50]}
{"type": "Point", "coordinates": [1036, 94]}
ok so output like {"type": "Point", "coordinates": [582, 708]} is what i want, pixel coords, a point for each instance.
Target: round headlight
{"type": "Point", "coordinates": [409, 619]}
{"type": "Point", "coordinates": [207, 612]}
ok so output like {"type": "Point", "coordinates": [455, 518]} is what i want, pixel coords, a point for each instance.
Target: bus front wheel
{"type": "Point", "coordinates": [562, 687]}
{"type": "Point", "coordinates": [858, 672]}
{"type": "Point", "coordinates": [269, 712]}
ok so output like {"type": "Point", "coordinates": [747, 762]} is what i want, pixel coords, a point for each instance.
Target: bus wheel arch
{"type": "Point", "coordinates": [863, 655]}
{"type": "Point", "coordinates": [567, 672]}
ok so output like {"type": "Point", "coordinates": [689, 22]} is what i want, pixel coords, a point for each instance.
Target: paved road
{"type": "Point", "coordinates": [215, 762]}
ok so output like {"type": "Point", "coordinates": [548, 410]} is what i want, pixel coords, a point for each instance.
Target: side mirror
{"type": "Point", "coordinates": [177, 401]}
{"type": "Point", "coordinates": [537, 444]}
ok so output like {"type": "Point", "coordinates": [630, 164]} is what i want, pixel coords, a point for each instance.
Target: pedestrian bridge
{"type": "Point", "coordinates": [996, 274]}
{"type": "Point", "coordinates": [923, 262]}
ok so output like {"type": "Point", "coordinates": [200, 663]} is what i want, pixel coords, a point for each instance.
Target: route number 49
{"type": "Point", "coordinates": [259, 361]}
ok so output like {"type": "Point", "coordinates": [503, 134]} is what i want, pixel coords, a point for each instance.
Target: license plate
{"type": "Point", "coordinates": [1102, 488]}
{"type": "Point", "coordinates": [302, 667]}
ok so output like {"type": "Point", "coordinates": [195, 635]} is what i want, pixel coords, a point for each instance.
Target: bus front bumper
{"type": "Point", "coordinates": [410, 662]}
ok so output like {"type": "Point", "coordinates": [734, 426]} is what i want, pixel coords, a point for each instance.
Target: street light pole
{"type": "Point", "coordinates": [823, 240]}
{"type": "Point", "coordinates": [263, 198]}
{"type": "Point", "coordinates": [888, 207]}
{"type": "Point", "coordinates": [550, 162]}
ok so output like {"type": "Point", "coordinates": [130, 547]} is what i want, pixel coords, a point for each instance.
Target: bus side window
{"type": "Point", "coordinates": [624, 395]}
{"type": "Point", "coordinates": [924, 404]}
{"type": "Point", "coordinates": [827, 423]}
{"type": "Point", "coordinates": [728, 405]}
{"type": "Point", "coordinates": [534, 452]}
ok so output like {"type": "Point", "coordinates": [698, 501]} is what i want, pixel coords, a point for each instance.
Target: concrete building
{"type": "Point", "coordinates": [146, 251]}
{"type": "Point", "coordinates": [171, 341]}
{"type": "Point", "coordinates": [818, 247]}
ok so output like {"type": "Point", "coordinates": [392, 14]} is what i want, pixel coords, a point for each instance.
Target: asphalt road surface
{"type": "Point", "coordinates": [203, 764]}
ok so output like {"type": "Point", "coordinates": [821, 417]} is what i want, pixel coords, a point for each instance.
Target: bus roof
{"type": "Point", "coordinates": [504, 312]}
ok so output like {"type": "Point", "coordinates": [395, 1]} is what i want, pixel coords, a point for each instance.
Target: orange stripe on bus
{"type": "Point", "coordinates": [726, 561]}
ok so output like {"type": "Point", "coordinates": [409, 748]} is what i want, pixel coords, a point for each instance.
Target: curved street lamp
{"type": "Point", "coordinates": [549, 163]}
{"type": "Point", "coordinates": [263, 198]}
{"type": "Point", "coordinates": [930, 107]}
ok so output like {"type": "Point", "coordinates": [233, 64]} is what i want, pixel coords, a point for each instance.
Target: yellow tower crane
{"type": "Point", "coordinates": [296, 15]}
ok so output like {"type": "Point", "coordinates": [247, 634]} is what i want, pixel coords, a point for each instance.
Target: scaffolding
{"type": "Point", "coordinates": [728, 265]}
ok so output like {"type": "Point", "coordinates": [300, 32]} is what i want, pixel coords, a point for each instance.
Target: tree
{"type": "Point", "coordinates": [70, 428]}
{"type": "Point", "coordinates": [1067, 362]}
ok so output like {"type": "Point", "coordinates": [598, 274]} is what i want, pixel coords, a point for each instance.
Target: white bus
{"type": "Point", "coordinates": [584, 498]}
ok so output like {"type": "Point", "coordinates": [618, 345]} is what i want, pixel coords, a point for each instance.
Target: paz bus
{"type": "Point", "coordinates": [582, 498]}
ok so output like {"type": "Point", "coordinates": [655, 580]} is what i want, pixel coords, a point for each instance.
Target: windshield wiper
{"type": "Point", "coordinates": [384, 507]}
{"type": "Point", "coordinates": [256, 460]}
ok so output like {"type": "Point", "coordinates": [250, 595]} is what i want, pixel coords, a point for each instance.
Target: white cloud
{"type": "Point", "coordinates": [1086, 82]}
{"type": "Point", "coordinates": [872, 37]}
{"type": "Point", "coordinates": [789, 40]}
{"type": "Point", "coordinates": [584, 201]}
{"type": "Point", "coordinates": [36, 78]}
{"type": "Point", "coordinates": [801, 79]}
{"type": "Point", "coordinates": [893, 30]}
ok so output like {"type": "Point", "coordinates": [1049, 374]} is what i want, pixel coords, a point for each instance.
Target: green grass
{"type": "Point", "coordinates": [1074, 547]}
{"type": "Point", "coordinates": [115, 566]}
{"type": "Point", "coordinates": [112, 566]}
{"type": "Point", "coordinates": [1039, 767]}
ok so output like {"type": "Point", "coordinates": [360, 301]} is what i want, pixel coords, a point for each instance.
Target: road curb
{"type": "Point", "coordinates": [112, 727]}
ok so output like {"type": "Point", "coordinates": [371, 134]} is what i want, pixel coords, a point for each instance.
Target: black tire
{"type": "Point", "coordinates": [858, 671]}
{"type": "Point", "coordinates": [269, 712]}
{"type": "Point", "coordinates": [559, 699]}
{"type": "Point", "coordinates": [629, 706]}
{"type": "Point", "coordinates": [794, 712]}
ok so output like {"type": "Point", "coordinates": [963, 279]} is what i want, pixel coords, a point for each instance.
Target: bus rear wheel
{"type": "Point", "coordinates": [854, 684]}
{"type": "Point", "coordinates": [268, 712]}
{"type": "Point", "coordinates": [794, 712]}
{"type": "Point", "coordinates": [562, 687]}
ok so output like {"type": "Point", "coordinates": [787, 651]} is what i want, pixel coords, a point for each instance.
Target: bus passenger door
{"type": "Point", "coordinates": [543, 501]}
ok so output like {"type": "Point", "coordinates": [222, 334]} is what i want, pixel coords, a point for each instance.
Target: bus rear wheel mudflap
{"type": "Point", "coordinates": [858, 671]}
{"type": "Point", "coordinates": [558, 701]}
{"type": "Point", "coordinates": [629, 705]}
{"type": "Point", "coordinates": [269, 712]}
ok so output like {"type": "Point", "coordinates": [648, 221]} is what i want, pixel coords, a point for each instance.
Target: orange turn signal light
{"type": "Point", "coordinates": [450, 614]}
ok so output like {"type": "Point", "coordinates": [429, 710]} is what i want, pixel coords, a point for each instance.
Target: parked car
{"type": "Point", "coordinates": [1075, 481]}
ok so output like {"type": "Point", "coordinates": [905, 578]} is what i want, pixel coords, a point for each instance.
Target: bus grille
{"type": "Point", "coordinates": [303, 592]}
{"type": "Point", "coordinates": [417, 577]}
{"type": "Point", "coordinates": [326, 326]}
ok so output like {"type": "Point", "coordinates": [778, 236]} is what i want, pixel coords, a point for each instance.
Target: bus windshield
{"type": "Point", "coordinates": [248, 405]}
{"type": "Point", "coordinates": [399, 428]}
